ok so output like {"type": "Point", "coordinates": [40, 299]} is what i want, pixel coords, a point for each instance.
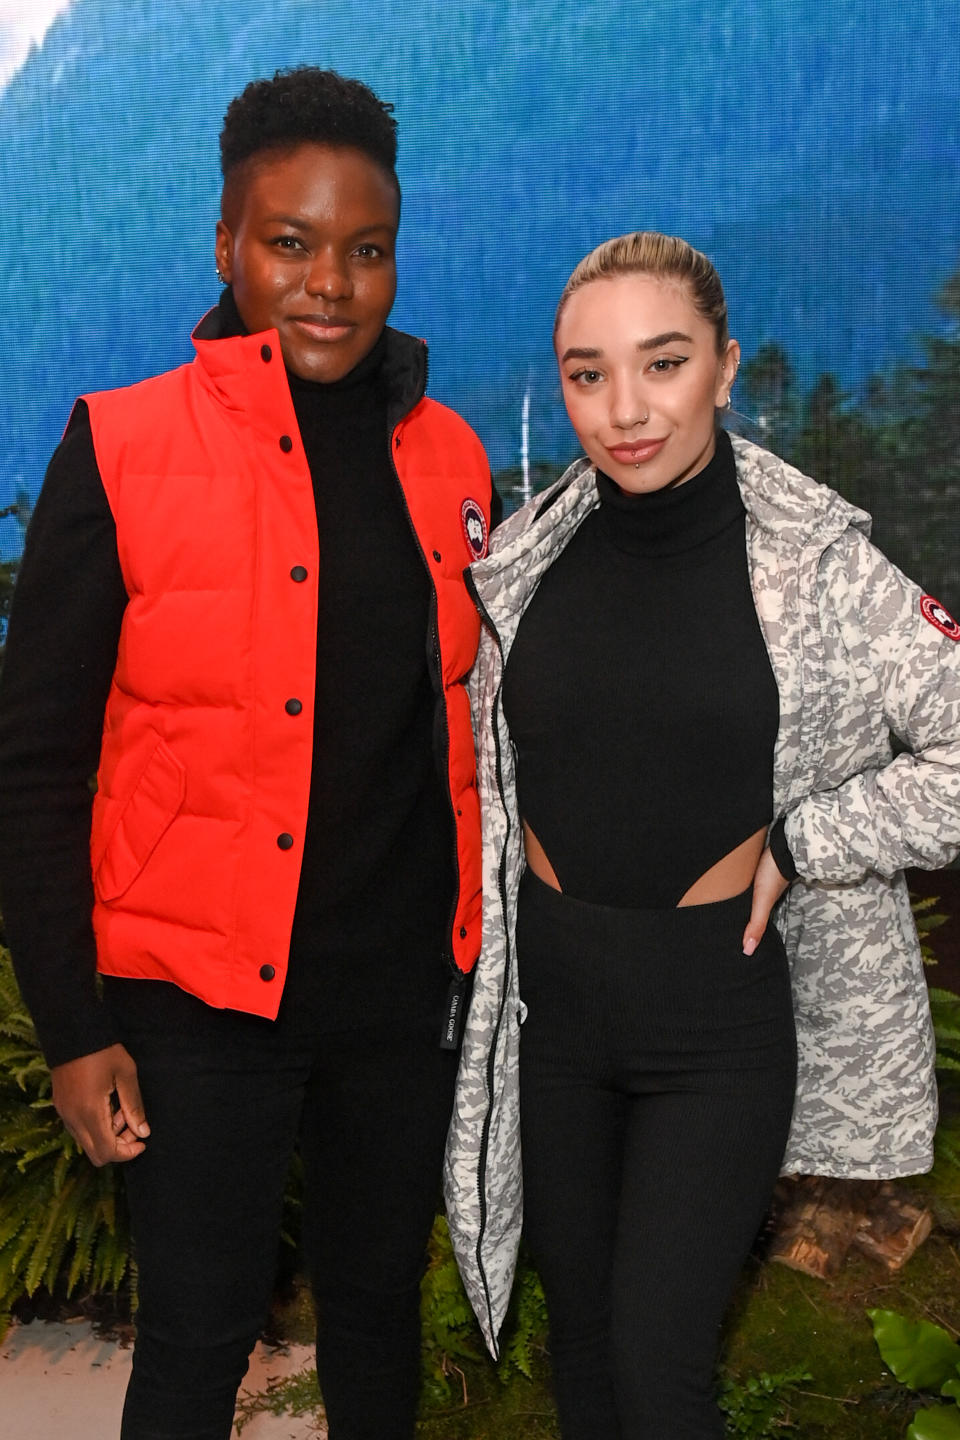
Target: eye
{"type": "Point", "coordinates": [368, 251]}
{"type": "Point", "coordinates": [287, 242]}
{"type": "Point", "coordinates": [664, 363]}
{"type": "Point", "coordinates": [585, 377]}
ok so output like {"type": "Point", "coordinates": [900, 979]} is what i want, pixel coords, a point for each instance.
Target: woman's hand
{"type": "Point", "coordinates": [768, 886]}
{"type": "Point", "coordinates": [83, 1091]}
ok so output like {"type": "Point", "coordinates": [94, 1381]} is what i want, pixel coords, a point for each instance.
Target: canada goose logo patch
{"type": "Point", "coordinates": [474, 529]}
{"type": "Point", "coordinates": [939, 617]}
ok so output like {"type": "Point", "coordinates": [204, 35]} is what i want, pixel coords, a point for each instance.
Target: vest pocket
{"type": "Point", "coordinates": [134, 831]}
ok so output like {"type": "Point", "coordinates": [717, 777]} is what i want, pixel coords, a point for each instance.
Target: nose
{"type": "Point", "coordinates": [329, 276]}
{"type": "Point", "coordinates": [627, 407]}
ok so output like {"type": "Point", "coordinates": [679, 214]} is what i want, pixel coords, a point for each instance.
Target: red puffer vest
{"type": "Point", "coordinates": [204, 776]}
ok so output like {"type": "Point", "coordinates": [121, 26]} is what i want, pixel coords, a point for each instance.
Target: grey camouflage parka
{"type": "Point", "coordinates": [855, 657]}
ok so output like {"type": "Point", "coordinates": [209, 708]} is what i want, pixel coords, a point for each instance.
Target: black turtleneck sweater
{"type": "Point", "coordinates": [377, 879]}
{"type": "Point", "coordinates": [640, 696]}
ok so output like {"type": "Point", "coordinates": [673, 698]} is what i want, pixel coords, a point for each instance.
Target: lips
{"type": "Point", "coordinates": [324, 328]}
{"type": "Point", "coordinates": [636, 452]}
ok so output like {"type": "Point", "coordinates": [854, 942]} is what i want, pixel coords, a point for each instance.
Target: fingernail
{"type": "Point", "coordinates": [143, 1128]}
{"type": "Point", "coordinates": [749, 946]}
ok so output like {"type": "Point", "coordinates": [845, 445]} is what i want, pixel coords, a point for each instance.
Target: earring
{"type": "Point", "coordinates": [220, 277]}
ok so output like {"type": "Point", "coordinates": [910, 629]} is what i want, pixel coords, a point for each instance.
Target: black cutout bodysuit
{"type": "Point", "coordinates": [640, 696]}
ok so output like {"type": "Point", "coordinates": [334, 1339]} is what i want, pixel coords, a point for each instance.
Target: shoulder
{"type": "Point", "coordinates": [578, 478]}
{"type": "Point", "coordinates": [143, 396]}
{"type": "Point", "coordinates": [445, 421]}
{"type": "Point", "coordinates": [792, 507]}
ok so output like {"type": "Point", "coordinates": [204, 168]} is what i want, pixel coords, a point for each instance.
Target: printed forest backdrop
{"type": "Point", "coordinates": [811, 147]}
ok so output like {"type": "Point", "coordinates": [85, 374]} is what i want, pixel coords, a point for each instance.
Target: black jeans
{"type": "Point", "coordinates": [658, 1068]}
{"type": "Point", "coordinates": [227, 1097]}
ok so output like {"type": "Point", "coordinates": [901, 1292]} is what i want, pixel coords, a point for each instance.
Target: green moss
{"type": "Point", "coordinates": [783, 1319]}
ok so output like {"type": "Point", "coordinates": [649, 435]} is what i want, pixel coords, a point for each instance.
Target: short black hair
{"type": "Point", "coordinates": [307, 105]}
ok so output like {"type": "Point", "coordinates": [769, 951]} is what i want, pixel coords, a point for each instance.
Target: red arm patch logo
{"type": "Point", "coordinates": [939, 617]}
{"type": "Point", "coordinates": [474, 529]}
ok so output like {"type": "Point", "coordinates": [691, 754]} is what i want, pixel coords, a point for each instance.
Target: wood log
{"type": "Point", "coordinates": [895, 1227]}
{"type": "Point", "coordinates": [816, 1225]}
{"type": "Point", "coordinates": [818, 1221]}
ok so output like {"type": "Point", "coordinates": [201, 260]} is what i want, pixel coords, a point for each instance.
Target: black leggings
{"type": "Point", "coordinates": [658, 1067]}
{"type": "Point", "coordinates": [227, 1096]}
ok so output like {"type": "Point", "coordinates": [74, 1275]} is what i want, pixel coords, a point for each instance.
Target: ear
{"type": "Point", "coordinates": [223, 251]}
{"type": "Point", "coordinates": [727, 374]}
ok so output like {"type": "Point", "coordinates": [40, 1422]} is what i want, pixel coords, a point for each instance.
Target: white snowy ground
{"type": "Point", "coordinates": [61, 1380]}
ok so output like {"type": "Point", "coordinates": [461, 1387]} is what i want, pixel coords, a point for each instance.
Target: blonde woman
{"type": "Point", "coordinates": [692, 662]}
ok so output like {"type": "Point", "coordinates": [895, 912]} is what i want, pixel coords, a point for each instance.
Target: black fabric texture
{"type": "Point", "coordinates": [640, 696]}
{"type": "Point", "coordinates": [379, 872]}
{"type": "Point", "coordinates": [780, 850]}
{"type": "Point", "coordinates": [657, 1069]}
{"type": "Point", "coordinates": [227, 1095]}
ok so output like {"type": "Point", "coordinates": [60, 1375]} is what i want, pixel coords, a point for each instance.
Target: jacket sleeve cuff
{"type": "Point", "coordinates": [780, 850]}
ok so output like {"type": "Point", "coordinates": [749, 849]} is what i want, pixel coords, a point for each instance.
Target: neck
{"type": "Point", "coordinates": [677, 517]}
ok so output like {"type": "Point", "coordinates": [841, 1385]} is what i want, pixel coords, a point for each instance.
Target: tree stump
{"type": "Point", "coordinates": [819, 1220]}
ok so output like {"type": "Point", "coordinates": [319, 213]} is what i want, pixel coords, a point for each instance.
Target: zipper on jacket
{"type": "Point", "coordinates": [502, 887]}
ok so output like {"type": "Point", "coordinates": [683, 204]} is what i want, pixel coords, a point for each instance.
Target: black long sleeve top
{"type": "Point", "coordinates": [640, 695]}
{"type": "Point", "coordinates": [377, 880]}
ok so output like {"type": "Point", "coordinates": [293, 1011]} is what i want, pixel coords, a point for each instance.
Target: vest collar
{"type": "Point", "coordinates": [233, 365]}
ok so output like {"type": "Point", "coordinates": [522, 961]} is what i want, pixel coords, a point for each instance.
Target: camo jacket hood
{"type": "Point", "coordinates": [856, 655]}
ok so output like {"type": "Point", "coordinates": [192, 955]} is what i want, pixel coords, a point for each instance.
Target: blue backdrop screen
{"type": "Point", "coordinates": [811, 149]}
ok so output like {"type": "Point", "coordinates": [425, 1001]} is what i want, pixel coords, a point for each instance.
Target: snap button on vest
{"type": "Point", "coordinates": [267, 972]}
{"type": "Point", "coordinates": [286, 444]}
{"type": "Point", "coordinates": [298, 573]}
{"type": "Point", "coordinates": [293, 707]}
{"type": "Point", "coordinates": [266, 354]}
{"type": "Point", "coordinates": [463, 932]}
{"type": "Point", "coordinates": [436, 556]}
{"type": "Point", "coordinates": [285, 841]}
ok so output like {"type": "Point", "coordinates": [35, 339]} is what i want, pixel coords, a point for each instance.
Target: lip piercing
{"type": "Point", "coordinates": [642, 421]}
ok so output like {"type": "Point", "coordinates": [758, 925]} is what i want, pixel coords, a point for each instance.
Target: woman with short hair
{"type": "Point", "coordinates": [242, 595]}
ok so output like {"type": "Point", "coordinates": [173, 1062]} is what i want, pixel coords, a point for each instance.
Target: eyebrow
{"type": "Point", "coordinates": [653, 343]}
{"type": "Point", "coordinates": [298, 223]}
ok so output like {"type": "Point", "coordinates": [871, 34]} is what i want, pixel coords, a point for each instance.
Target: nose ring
{"type": "Point", "coordinates": [642, 421]}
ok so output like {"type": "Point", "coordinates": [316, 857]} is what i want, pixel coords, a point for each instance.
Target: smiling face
{"type": "Point", "coordinates": [642, 378]}
{"type": "Point", "coordinates": [307, 242]}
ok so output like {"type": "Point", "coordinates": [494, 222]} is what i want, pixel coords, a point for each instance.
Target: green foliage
{"type": "Point", "coordinates": [927, 920]}
{"type": "Point", "coordinates": [944, 1004]}
{"type": "Point", "coordinates": [450, 1331]}
{"type": "Point", "coordinates": [526, 1323]}
{"type": "Point", "coordinates": [297, 1394]}
{"type": "Point", "coordinates": [936, 1424]}
{"type": "Point", "coordinates": [755, 1407]}
{"type": "Point", "coordinates": [61, 1220]}
{"type": "Point", "coordinates": [945, 1009]}
{"type": "Point", "coordinates": [923, 1357]}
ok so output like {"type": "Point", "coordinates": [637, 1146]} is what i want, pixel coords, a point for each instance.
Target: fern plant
{"type": "Point", "coordinates": [448, 1328]}
{"type": "Point", "coordinates": [451, 1333]}
{"type": "Point", "coordinates": [927, 919]}
{"type": "Point", "coordinates": [945, 1009]}
{"type": "Point", "coordinates": [61, 1220]}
